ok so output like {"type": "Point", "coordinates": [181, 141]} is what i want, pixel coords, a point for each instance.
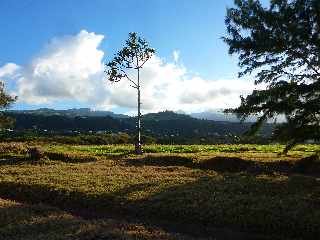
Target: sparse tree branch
{"type": "Point", "coordinates": [126, 76]}
{"type": "Point", "coordinates": [135, 51]}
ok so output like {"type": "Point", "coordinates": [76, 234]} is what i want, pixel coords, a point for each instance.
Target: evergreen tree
{"type": "Point", "coordinates": [280, 45]}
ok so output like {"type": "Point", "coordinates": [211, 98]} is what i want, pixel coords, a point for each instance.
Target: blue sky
{"type": "Point", "coordinates": [190, 28]}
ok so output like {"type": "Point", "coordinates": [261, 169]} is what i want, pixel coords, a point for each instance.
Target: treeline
{"type": "Point", "coordinates": [165, 128]}
{"type": "Point", "coordinates": [61, 123]}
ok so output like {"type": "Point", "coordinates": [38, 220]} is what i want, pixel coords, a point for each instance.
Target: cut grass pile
{"type": "Point", "coordinates": [246, 188]}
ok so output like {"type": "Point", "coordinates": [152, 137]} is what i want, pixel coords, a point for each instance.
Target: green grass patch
{"type": "Point", "coordinates": [224, 148]}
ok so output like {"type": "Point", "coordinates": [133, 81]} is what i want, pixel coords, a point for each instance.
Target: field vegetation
{"type": "Point", "coordinates": [218, 191]}
{"type": "Point", "coordinates": [38, 221]}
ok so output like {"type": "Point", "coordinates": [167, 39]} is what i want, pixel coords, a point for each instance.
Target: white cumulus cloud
{"type": "Point", "coordinates": [9, 70]}
{"type": "Point", "coordinates": [68, 68]}
{"type": "Point", "coordinates": [71, 68]}
{"type": "Point", "coordinates": [176, 56]}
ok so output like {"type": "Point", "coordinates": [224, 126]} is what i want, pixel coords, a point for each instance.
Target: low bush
{"type": "Point", "coordinates": [226, 164]}
{"type": "Point", "coordinates": [35, 154]}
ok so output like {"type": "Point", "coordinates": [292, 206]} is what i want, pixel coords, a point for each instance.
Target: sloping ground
{"type": "Point", "coordinates": [217, 194]}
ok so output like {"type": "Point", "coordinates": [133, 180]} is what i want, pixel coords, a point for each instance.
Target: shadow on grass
{"type": "Point", "coordinates": [70, 158]}
{"type": "Point", "coordinates": [232, 206]}
{"type": "Point", "coordinates": [235, 165]}
{"type": "Point", "coordinates": [308, 166]}
{"type": "Point", "coordinates": [161, 161]}
{"type": "Point", "coordinates": [19, 160]}
{"type": "Point", "coordinates": [237, 204]}
{"type": "Point", "coordinates": [7, 159]}
{"type": "Point", "coordinates": [21, 221]}
{"type": "Point", "coordinates": [226, 164]}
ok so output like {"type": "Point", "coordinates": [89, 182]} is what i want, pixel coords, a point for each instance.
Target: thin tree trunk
{"type": "Point", "coordinates": [138, 144]}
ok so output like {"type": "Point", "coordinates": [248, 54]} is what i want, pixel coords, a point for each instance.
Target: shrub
{"type": "Point", "coordinates": [226, 164]}
{"type": "Point", "coordinates": [35, 153]}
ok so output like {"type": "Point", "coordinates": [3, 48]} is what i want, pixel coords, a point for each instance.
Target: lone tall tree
{"type": "Point", "coordinates": [5, 102]}
{"type": "Point", "coordinates": [132, 57]}
{"type": "Point", "coordinates": [280, 43]}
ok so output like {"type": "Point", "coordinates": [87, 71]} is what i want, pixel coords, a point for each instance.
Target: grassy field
{"type": "Point", "coordinates": [218, 191]}
{"type": "Point", "coordinates": [38, 221]}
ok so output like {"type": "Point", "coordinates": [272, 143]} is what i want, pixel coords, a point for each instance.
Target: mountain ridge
{"type": "Point", "coordinates": [73, 112]}
{"type": "Point", "coordinates": [166, 126]}
{"type": "Point", "coordinates": [216, 115]}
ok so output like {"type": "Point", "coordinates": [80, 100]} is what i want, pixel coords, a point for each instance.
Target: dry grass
{"type": "Point", "coordinates": [32, 222]}
{"type": "Point", "coordinates": [243, 189]}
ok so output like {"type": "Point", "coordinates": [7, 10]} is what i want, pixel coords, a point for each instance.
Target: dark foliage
{"type": "Point", "coordinates": [164, 128]}
{"type": "Point", "coordinates": [281, 45]}
{"type": "Point", "coordinates": [133, 56]}
{"type": "Point", "coordinates": [35, 153]}
{"type": "Point", "coordinates": [5, 102]}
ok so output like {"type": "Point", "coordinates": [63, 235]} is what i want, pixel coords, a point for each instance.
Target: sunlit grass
{"type": "Point", "coordinates": [245, 148]}
{"type": "Point", "coordinates": [241, 187]}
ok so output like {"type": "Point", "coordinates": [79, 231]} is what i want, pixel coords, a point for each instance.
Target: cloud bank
{"type": "Point", "coordinates": [71, 68]}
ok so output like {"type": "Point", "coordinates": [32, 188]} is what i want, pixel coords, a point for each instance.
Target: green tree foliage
{"type": "Point", "coordinates": [132, 57]}
{"type": "Point", "coordinates": [280, 45]}
{"type": "Point", "coordinates": [5, 102]}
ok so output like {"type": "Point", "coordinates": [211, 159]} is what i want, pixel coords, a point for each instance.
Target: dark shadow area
{"type": "Point", "coordinates": [15, 212]}
{"type": "Point", "coordinates": [70, 158]}
{"type": "Point", "coordinates": [62, 198]}
{"type": "Point", "coordinates": [105, 207]}
{"type": "Point", "coordinates": [236, 165]}
{"type": "Point", "coordinates": [308, 166]}
{"type": "Point", "coordinates": [21, 221]}
{"type": "Point", "coordinates": [237, 204]}
{"type": "Point", "coordinates": [7, 159]}
{"type": "Point", "coordinates": [234, 206]}
{"type": "Point", "coordinates": [226, 164]}
{"type": "Point", "coordinates": [161, 161]}
{"type": "Point", "coordinates": [18, 160]}
{"type": "Point", "coordinates": [238, 207]}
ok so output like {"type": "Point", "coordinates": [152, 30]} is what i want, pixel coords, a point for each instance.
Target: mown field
{"type": "Point", "coordinates": [171, 192]}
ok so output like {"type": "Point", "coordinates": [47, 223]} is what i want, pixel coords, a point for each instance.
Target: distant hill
{"type": "Point", "coordinates": [166, 127]}
{"type": "Point", "coordinates": [166, 115]}
{"type": "Point", "coordinates": [218, 115]}
{"type": "Point", "coordinates": [74, 112]}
